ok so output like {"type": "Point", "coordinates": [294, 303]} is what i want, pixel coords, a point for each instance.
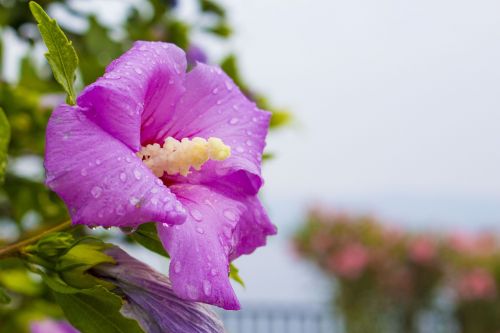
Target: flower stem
{"type": "Point", "coordinates": [13, 249]}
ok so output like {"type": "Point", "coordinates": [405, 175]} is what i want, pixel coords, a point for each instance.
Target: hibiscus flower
{"type": "Point", "coordinates": [150, 142]}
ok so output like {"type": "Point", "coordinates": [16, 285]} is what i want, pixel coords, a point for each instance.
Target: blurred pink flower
{"type": "Point", "coordinates": [350, 261]}
{"type": "Point", "coordinates": [482, 245]}
{"type": "Point", "coordinates": [476, 285]}
{"type": "Point", "coordinates": [422, 250]}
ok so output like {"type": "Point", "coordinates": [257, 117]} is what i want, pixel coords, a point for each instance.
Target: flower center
{"type": "Point", "coordinates": [177, 157]}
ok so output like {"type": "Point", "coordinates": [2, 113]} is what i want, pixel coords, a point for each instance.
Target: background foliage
{"type": "Point", "coordinates": [388, 280]}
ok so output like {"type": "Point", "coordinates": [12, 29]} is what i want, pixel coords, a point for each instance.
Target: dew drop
{"type": "Point", "coordinates": [154, 201]}
{"type": "Point", "coordinates": [128, 159]}
{"type": "Point", "coordinates": [197, 215]}
{"type": "Point", "coordinates": [96, 191]}
{"type": "Point", "coordinates": [213, 272]}
{"type": "Point", "coordinates": [240, 149]}
{"type": "Point", "coordinates": [137, 174]}
{"type": "Point", "coordinates": [123, 176]}
{"type": "Point", "coordinates": [154, 190]}
{"type": "Point", "coordinates": [134, 201]}
{"type": "Point", "coordinates": [249, 142]}
{"type": "Point", "coordinates": [215, 90]}
{"type": "Point", "coordinates": [230, 215]}
{"type": "Point", "coordinates": [192, 292]}
{"type": "Point", "coordinates": [219, 102]}
{"type": "Point", "coordinates": [84, 172]}
{"type": "Point", "coordinates": [98, 162]}
{"type": "Point", "coordinates": [143, 48]}
{"type": "Point", "coordinates": [207, 287]}
{"type": "Point", "coordinates": [200, 230]}
{"type": "Point", "coordinates": [254, 119]}
{"type": "Point", "coordinates": [233, 121]}
{"type": "Point", "coordinates": [229, 86]}
{"type": "Point", "coordinates": [177, 267]}
{"type": "Point", "coordinates": [171, 81]}
{"type": "Point", "coordinates": [235, 107]}
{"type": "Point", "coordinates": [138, 70]}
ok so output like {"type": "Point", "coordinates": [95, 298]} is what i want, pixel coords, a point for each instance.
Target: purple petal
{"type": "Point", "coordinates": [196, 54]}
{"type": "Point", "coordinates": [151, 301]}
{"type": "Point", "coordinates": [99, 178]}
{"type": "Point", "coordinates": [200, 247]}
{"type": "Point", "coordinates": [51, 326]}
{"type": "Point", "coordinates": [137, 94]}
{"type": "Point", "coordinates": [253, 228]}
{"type": "Point", "coordinates": [213, 106]}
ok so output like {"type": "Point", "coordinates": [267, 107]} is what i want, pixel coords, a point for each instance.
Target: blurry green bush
{"type": "Point", "coordinates": [386, 279]}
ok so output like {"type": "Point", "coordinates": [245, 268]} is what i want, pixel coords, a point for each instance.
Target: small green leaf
{"type": "Point", "coordinates": [61, 55]}
{"type": "Point", "coordinates": [147, 236]}
{"type": "Point", "coordinates": [96, 310]}
{"type": "Point", "coordinates": [209, 6]}
{"type": "Point", "coordinates": [234, 273]}
{"type": "Point", "coordinates": [4, 298]}
{"type": "Point", "coordinates": [4, 143]}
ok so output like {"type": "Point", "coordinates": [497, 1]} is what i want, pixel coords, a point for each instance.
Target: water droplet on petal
{"type": "Point", "coordinates": [98, 162]}
{"type": "Point", "coordinates": [213, 272]}
{"type": "Point", "coordinates": [200, 230]}
{"type": "Point", "coordinates": [171, 81]}
{"type": "Point", "coordinates": [96, 191]}
{"type": "Point", "coordinates": [138, 70]}
{"type": "Point", "coordinates": [219, 102]}
{"type": "Point", "coordinates": [235, 107]}
{"type": "Point", "coordinates": [215, 90]}
{"type": "Point", "coordinates": [83, 172]}
{"type": "Point", "coordinates": [128, 159]}
{"type": "Point", "coordinates": [207, 287]}
{"type": "Point", "coordinates": [177, 267]}
{"type": "Point", "coordinates": [229, 86]}
{"type": "Point", "coordinates": [154, 201]}
{"type": "Point", "coordinates": [233, 121]}
{"type": "Point", "coordinates": [197, 215]}
{"type": "Point", "coordinates": [123, 176]}
{"type": "Point", "coordinates": [230, 215]}
{"type": "Point", "coordinates": [240, 149]}
{"type": "Point", "coordinates": [192, 292]}
{"type": "Point", "coordinates": [143, 48]}
{"type": "Point", "coordinates": [134, 201]}
{"type": "Point", "coordinates": [137, 174]}
{"type": "Point", "coordinates": [249, 142]}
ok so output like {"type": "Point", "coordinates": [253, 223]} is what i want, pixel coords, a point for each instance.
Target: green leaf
{"type": "Point", "coordinates": [4, 143]}
{"type": "Point", "coordinates": [61, 55]}
{"type": "Point", "coordinates": [209, 6]}
{"type": "Point", "coordinates": [147, 236]}
{"type": "Point", "coordinates": [95, 310]}
{"type": "Point", "coordinates": [4, 298]}
{"type": "Point", "coordinates": [234, 273]}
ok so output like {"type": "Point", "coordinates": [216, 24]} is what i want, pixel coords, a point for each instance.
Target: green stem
{"type": "Point", "coordinates": [13, 249]}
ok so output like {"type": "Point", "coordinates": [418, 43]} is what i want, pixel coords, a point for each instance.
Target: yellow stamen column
{"type": "Point", "coordinates": [178, 157]}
